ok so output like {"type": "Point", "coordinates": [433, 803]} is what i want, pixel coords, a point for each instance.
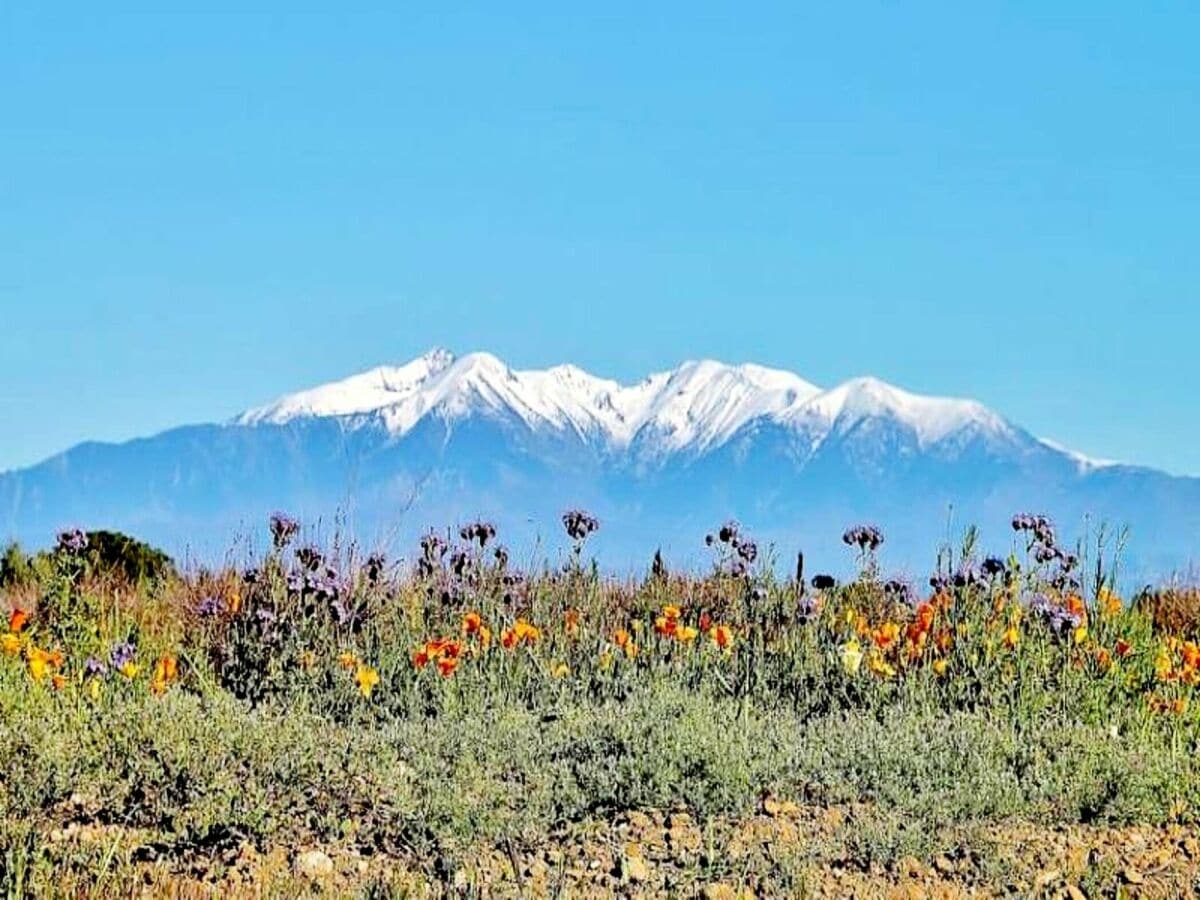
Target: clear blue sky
{"type": "Point", "coordinates": [201, 211]}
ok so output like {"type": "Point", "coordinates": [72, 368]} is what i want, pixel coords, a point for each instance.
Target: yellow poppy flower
{"type": "Point", "coordinates": [366, 678]}
{"type": "Point", "coordinates": [852, 656]}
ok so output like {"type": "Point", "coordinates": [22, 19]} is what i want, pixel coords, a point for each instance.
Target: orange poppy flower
{"type": "Point", "coordinates": [520, 633]}
{"type": "Point", "coordinates": [625, 643]}
{"type": "Point", "coordinates": [885, 635]}
{"type": "Point", "coordinates": [17, 619]}
{"type": "Point", "coordinates": [721, 636]}
{"type": "Point", "coordinates": [1190, 653]}
{"type": "Point", "coordinates": [471, 623]}
{"type": "Point", "coordinates": [1076, 607]}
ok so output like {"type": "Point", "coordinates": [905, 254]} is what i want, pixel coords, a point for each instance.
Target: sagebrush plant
{"type": "Point", "coordinates": [325, 696]}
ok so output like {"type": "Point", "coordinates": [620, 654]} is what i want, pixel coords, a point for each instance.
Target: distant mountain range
{"type": "Point", "coordinates": [389, 453]}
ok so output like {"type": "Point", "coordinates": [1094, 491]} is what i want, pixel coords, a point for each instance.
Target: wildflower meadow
{"type": "Point", "coordinates": [327, 720]}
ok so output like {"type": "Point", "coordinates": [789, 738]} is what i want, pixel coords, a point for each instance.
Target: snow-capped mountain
{"type": "Point", "coordinates": [695, 407]}
{"type": "Point", "coordinates": [392, 451]}
{"type": "Point", "coordinates": [691, 410]}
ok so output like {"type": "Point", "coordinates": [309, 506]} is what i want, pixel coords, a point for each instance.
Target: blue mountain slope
{"type": "Point", "coordinates": [389, 454]}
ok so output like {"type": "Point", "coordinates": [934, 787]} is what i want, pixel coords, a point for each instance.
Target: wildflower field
{"type": "Point", "coordinates": [331, 722]}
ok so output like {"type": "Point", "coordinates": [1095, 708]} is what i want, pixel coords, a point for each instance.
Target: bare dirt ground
{"type": "Point", "coordinates": [784, 850]}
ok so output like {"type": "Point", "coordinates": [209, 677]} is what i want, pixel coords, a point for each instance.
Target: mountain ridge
{"type": "Point", "coordinates": [441, 440]}
{"type": "Point", "coordinates": [700, 403]}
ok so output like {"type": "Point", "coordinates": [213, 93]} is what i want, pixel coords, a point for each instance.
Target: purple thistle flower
{"type": "Point", "coordinates": [94, 668]}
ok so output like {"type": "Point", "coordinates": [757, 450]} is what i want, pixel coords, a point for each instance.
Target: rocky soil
{"type": "Point", "coordinates": [783, 850]}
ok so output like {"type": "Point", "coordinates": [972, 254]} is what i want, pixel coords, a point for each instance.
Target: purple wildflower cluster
{"type": "Point", "coordinates": [460, 563]}
{"type": "Point", "coordinates": [478, 531]}
{"type": "Point", "coordinates": [94, 668]}
{"type": "Point", "coordinates": [433, 549]}
{"type": "Point", "coordinates": [1045, 549]}
{"type": "Point", "coordinates": [516, 589]}
{"type": "Point", "coordinates": [867, 538]}
{"type": "Point", "coordinates": [310, 558]}
{"type": "Point", "coordinates": [283, 529]}
{"type": "Point", "coordinates": [122, 654]}
{"type": "Point", "coordinates": [1057, 618]}
{"type": "Point", "coordinates": [579, 524]}
{"type": "Point", "coordinates": [900, 591]}
{"type": "Point", "coordinates": [319, 580]}
{"type": "Point", "coordinates": [743, 551]}
{"type": "Point", "coordinates": [72, 542]}
{"type": "Point", "coordinates": [993, 566]}
{"type": "Point", "coordinates": [968, 576]}
{"type": "Point", "coordinates": [209, 607]}
{"type": "Point", "coordinates": [373, 568]}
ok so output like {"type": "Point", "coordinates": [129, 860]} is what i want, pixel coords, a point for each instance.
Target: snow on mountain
{"type": "Point", "coordinates": [931, 419]}
{"type": "Point", "coordinates": [365, 393]}
{"type": "Point", "coordinates": [695, 407]}
{"type": "Point", "coordinates": [1085, 463]}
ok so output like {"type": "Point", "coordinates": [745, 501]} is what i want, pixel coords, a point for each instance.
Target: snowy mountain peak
{"type": "Point", "coordinates": [931, 418]}
{"type": "Point", "coordinates": [364, 393]}
{"type": "Point", "coordinates": [693, 408]}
